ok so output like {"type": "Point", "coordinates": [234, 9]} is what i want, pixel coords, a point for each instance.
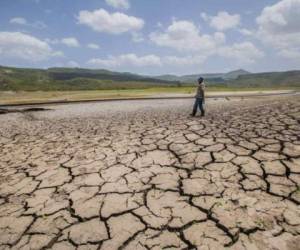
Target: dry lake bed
{"type": "Point", "coordinates": [145, 175]}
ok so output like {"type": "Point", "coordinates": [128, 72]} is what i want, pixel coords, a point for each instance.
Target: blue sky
{"type": "Point", "coordinates": [151, 36]}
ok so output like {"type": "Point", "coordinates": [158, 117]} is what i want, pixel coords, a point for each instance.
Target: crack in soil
{"type": "Point", "coordinates": [153, 179]}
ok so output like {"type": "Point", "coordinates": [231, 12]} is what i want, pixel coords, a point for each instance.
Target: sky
{"type": "Point", "coordinates": [151, 37]}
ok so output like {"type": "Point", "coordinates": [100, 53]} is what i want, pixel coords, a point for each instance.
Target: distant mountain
{"type": "Point", "coordinates": [235, 74]}
{"type": "Point", "coordinates": [168, 77]}
{"type": "Point", "coordinates": [269, 79]}
{"type": "Point", "coordinates": [87, 79]}
{"type": "Point", "coordinates": [214, 77]}
{"type": "Point", "coordinates": [74, 79]}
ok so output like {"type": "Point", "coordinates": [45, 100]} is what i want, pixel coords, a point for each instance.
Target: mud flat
{"type": "Point", "coordinates": [64, 97]}
{"type": "Point", "coordinates": [144, 175]}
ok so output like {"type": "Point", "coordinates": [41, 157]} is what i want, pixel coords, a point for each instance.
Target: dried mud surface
{"type": "Point", "coordinates": [131, 176]}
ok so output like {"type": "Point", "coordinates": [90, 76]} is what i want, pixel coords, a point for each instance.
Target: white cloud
{"type": "Point", "coordinates": [121, 4]}
{"type": "Point", "coordinates": [219, 38]}
{"type": "Point", "coordinates": [137, 37]}
{"type": "Point", "coordinates": [293, 53]}
{"type": "Point", "coordinates": [126, 60]}
{"type": "Point", "coordinates": [243, 53]}
{"type": "Point", "coordinates": [204, 16]}
{"type": "Point", "coordinates": [93, 46]}
{"type": "Point", "coordinates": [222, 21]}
{"type": "Point", "coordinates": [52, 41]}
{"type": "Point", "coordinates": [184, 61]}
{"type": "Point", "coordinates": [279, 26]}
{"type": "Point", "coordinates": [18, 20]}
{"type": "Point", "coordinates": [23, 21]}
{"type": "Point", "coordinates": [185, 36]}
{"type": "Point", "coordinates": [70, 42]}
{"type": "Point", "coordinates": [239, 54]}
{"type": "Point", "coordinates": [38, 25]}
{"type": "Point", "coordinates": [115, 23]}
{"type": "Point", "coordinates": [72, 64]}
{"type": "Point", "coordinates": [246, 32]}
{"type": "Point", "coordinates": [159, 25]}
{"type": "Point", "coordinates": [23, 46]}
{"type": "Point", "coordinates": [132, 60]}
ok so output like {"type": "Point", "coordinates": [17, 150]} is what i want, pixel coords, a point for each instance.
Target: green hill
{"type": "Point", "coordinates": [276, 79]}
{"type": "Point", "coordinates": [212, 77]}
{"type": "Point", "coordinates": [242, 78]}
{"type": "Point", "coordinates": [17, 79]}
{"type": "Point", "coordinates": [73, 79]}
{"type": "Point", "coordinates": [235, 74]}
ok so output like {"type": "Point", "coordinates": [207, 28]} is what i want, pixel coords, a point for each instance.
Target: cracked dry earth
{"type": "Point", "coordinates": [149, 177]}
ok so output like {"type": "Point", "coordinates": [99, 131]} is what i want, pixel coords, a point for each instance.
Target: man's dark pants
{"type": "Point", "coordinates": [198, 103]}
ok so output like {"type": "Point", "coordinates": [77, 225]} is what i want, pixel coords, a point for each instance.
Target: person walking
{"type": "Point", "coordinates": [199, 98]}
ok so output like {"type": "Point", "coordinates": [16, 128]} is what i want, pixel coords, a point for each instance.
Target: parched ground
{"type": "Point", "coordinates": [143, 175]}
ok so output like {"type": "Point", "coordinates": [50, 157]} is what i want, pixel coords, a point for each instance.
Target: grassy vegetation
{"type": "Point", "coordinates": [8, 97]}
{"type": "Point", "coordinates": [275, 79]}
{"type": "Point", "coordinates": [64, 84]}
{"type": "Point", "coordinates": [68, 79]}
{"type": "Point", "coordinates": [61, 79]}
{"type": "Point", "coordinates": [14, 97]}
